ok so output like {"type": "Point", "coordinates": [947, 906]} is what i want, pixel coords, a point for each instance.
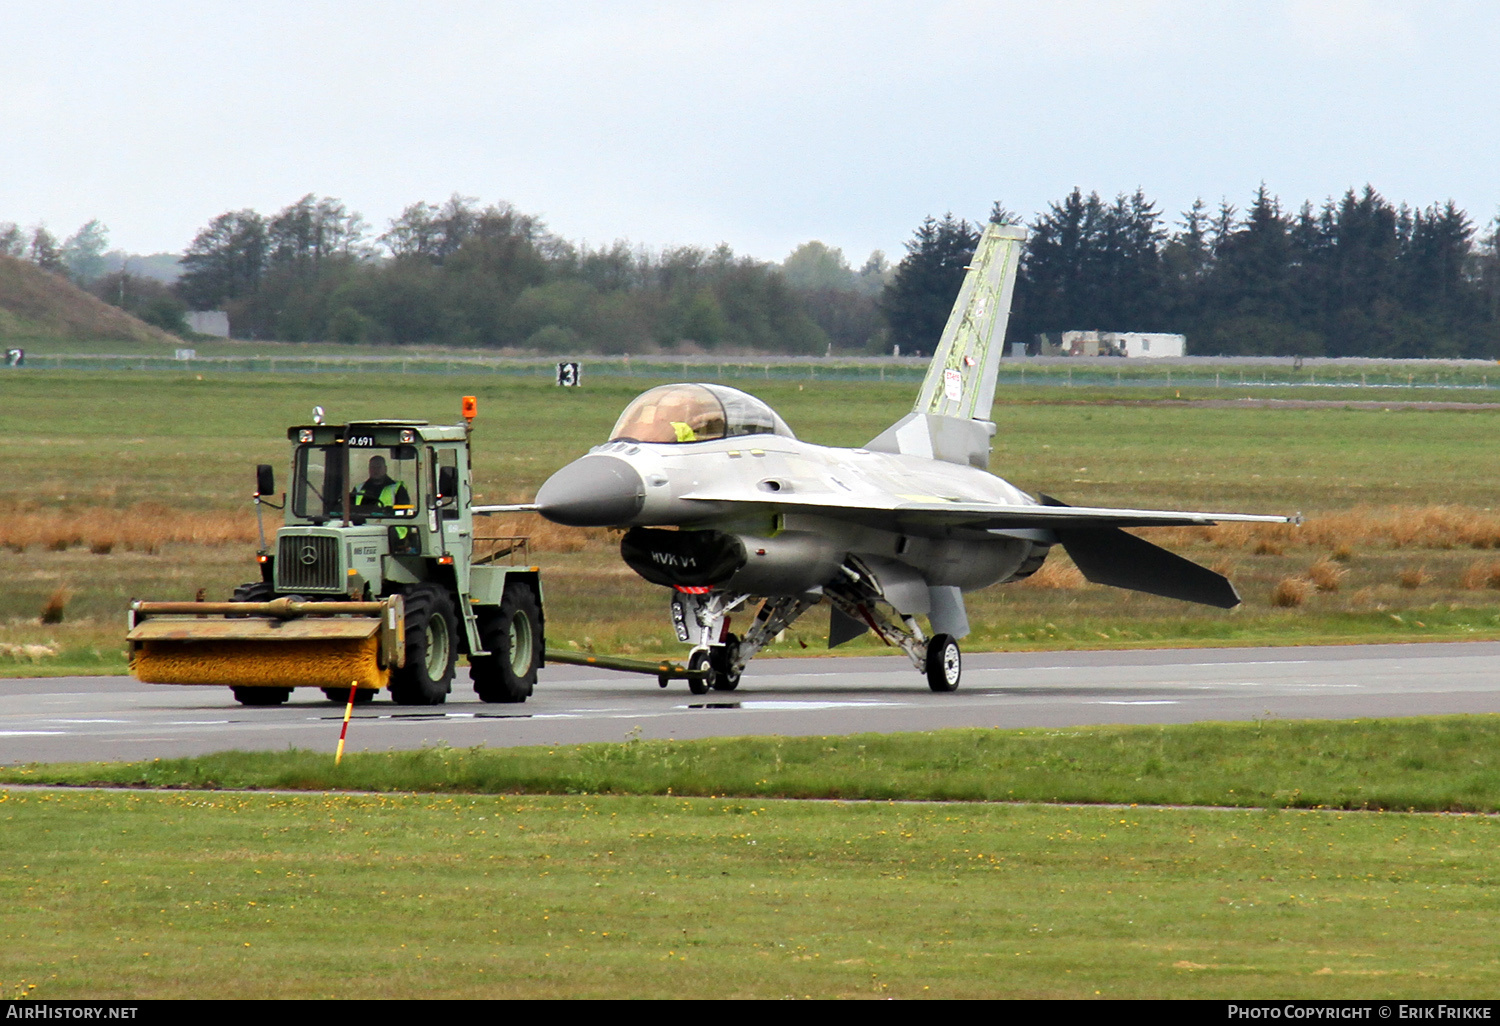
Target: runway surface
{"type": "Point", "coordinates": [117, 718]}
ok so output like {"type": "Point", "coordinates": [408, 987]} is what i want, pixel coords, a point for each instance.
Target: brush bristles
{"type": "Point", "coordinates": [281, 664]}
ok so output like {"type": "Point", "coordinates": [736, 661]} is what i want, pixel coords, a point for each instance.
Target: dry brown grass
{"type": "Point", "coordinates": [1343, 533]}
{"type": "Point", "coordinates": [1326, 575]}
{"type": "Point", "coordinates": [1482, 573]}
{"type": "Point", "coordinates": [56, 605]}
{"type": "Point", "coordinates": [1413, 577]}
{"type": "Point", "coordinates": [149, 526]}
{"type": "Point", "coordinates": [143, 528]}
{"type": "Point", "coordinates": [1056, 574]}
{"type": "Point", "coordinates": [33, 653]}
{"type": "Point", "coordinates": [544, 535]}
{"type": "Point", "coordinates": [1291, 591]}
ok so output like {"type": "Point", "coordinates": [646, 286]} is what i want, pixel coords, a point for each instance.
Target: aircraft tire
{"type": "Point", "coordinates": [431, 648]}
{"type": "Point", "coordinates": [698, 661]}
{"type": "Point", "coordinates": [512, 634]}
{"type": "Point", "coordinates": [261, 696]}
{"type": "Point", "coordinates": [721, 660]}
{"type": "Point", "coordinates": [944, 663]}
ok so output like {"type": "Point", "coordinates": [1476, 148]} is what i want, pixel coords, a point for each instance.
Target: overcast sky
{"type": "Point", "coordinates": [754, 123]}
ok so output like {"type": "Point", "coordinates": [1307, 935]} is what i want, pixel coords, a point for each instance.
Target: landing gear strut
{"type": "Point", "coordinates": [720, 657]}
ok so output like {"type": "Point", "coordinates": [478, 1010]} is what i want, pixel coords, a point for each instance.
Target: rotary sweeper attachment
{"type": "Point", "coordinates": [261, 649]}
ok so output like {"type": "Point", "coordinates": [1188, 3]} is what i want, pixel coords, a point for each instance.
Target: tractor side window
{"type": "Point", "coordinates": [318, 487]}
{"type": "Point", "coordinates": [446, 487]}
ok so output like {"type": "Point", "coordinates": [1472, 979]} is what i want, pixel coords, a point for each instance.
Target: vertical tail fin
{"type": "Point", "coordinates": [951, 418]}
{"type": "Point", "coordinates": [960, 381]}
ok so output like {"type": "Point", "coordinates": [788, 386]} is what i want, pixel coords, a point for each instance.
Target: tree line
{"type": "Point", "coordinates": [1356, 276]}
{"type": "Point", "coordinates": [466, 274]}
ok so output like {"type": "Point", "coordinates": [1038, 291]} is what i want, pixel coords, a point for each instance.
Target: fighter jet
{"type": "Point", "coordinates": [751, 527]}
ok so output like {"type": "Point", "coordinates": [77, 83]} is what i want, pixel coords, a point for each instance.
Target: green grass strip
{"type": "Point", "coordinates": [1442, 763]}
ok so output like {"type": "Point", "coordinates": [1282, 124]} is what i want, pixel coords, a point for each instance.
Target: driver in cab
{"type": "Point", "coordinates": [380, 489]}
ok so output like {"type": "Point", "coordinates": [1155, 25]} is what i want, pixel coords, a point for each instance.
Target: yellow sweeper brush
{"type": "Point", "coordinates": [279, 644]}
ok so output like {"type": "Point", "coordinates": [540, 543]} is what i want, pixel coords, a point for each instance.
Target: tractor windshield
{"type": "Point", "coordinates": [382, 485]}
{"type": "Point", "coordinates": [696, 413]}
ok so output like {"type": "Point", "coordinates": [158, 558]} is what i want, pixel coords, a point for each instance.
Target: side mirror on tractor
{"type": "Point", "coordinates": [265, 479]}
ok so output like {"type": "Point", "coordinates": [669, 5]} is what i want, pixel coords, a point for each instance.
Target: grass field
{"type": "Point", "coordinates": [1445, 764]}
{"type": "Point", "coordinates": [136, 485]}
{"type": "Point", "coordinates": [239, 894]}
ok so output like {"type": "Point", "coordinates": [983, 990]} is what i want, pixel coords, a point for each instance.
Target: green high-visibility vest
{"type": "Point", "coordinates": [387, 497]}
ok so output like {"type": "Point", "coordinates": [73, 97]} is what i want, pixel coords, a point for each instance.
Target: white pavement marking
{"type": "Point", "coordinates": [1143, 702]}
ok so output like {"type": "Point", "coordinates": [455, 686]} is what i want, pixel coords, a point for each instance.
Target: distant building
{"type": "Point", "coordinates": [209, 322]}
{"type": "Point", "coordinates": [1131, 344]}
{"type": "Point", "coordinates": [1144, 344]}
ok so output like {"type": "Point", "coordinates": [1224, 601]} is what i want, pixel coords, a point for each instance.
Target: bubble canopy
{"type": "Point", "coordinates": [696, 413]}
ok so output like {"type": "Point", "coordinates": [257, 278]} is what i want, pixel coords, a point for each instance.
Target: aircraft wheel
{"type": "Point", "coordinates": [944, 663]}
{"type": "Point", "coordinates": [341, 695]}
{"type": "Point", "coordinates": [698, 661]}
{"type": "Point", "coordinates": [721, 660]}
{"type": "Point", "coordinates": [261, 696]}
{"type": "Point", "coordinates": [431, 647]}
{"type": "Point", "coordinates": [511, 633]}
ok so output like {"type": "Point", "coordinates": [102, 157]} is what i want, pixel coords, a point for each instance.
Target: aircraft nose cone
{"type": "Point", "coordinates": [595, 491]}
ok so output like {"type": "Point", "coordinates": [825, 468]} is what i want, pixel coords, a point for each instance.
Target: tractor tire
{"type": "Point", "coordinates": [261, 696]}
{"type": "Point", "coordinates": [256, 591]}
{"type": "Point", "coordinates": [431, 648]}
{"type": "Point", "coordinates": [513, 635]}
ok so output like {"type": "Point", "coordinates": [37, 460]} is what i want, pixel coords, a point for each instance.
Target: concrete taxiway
{"type": "Point", "coordinates": [117, 718]}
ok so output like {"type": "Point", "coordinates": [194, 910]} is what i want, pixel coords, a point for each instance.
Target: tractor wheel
{"type": "Point", "coordinates": [944, 663]}
{"type": "Point", "coordinates": [431, 648]}
{"type": "Point", "coordinates": [513, 635]}
{"type": "Point", "coordinates": [256, 591]}
{"type": "Point", "coordinates": [721, 660]}
{"type": "Point", "coordinates": [340, 696]}
{"type": "Point", "coordinates": [261, 696]}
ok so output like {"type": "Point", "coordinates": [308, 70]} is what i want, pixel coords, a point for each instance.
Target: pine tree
{"type": "Point", "coordinates": [917, 303]}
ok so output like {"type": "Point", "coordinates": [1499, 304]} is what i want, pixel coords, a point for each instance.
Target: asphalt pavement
{"type": "Point", "coordinates": [118, 718]}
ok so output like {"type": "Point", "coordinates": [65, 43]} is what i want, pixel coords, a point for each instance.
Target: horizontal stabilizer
{"type": "Point", "coordinates": [1107, 555]}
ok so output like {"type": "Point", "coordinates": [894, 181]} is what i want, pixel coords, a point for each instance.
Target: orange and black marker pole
{"type": "Point", "coordinates": [348, 712]}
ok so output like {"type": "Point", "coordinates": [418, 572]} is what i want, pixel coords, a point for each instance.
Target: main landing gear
{"type": "Point", "coordinates": [703, 617]}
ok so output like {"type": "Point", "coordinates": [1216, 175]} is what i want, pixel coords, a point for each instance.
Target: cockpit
{"type": "Point", "coordinates": [696, 413]}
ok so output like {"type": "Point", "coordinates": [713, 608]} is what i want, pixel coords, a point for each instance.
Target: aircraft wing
{"type": "Point", "coordinates": [1091, 535]}
{"type": "Point", "coordinates": [922, 511]}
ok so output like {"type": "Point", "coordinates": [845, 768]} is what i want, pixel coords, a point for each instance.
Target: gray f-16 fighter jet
{"type": "Point", "coordinates": [728, 508]}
